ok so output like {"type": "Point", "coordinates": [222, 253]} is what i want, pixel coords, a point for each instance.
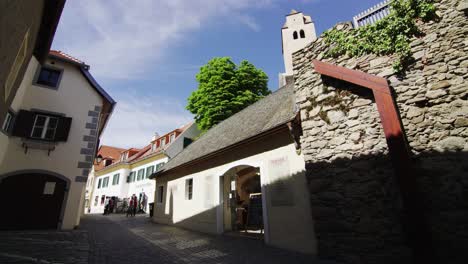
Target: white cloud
{"type": "Point", "coordinates": [135, 120]}
{"type": "Point", "coordinates": [123, 39]}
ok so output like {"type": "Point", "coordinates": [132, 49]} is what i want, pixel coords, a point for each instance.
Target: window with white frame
{"type": "Point", "coordinates": [131, 177]}
{"type": "Point", "coordinates": [188, 189]}
{"type": "Point", "coordinates": [160, 194]}
{"type": "Point", "coordinates": [99, 184]}
{"type": "Point", "coordinates": [163, 141]}
{"type": "Point", "coordinates": [149, 171]}
{"type": "Point", "coordinates": [105, 182]}
{"type": "Point", "coordinates": [141, 174]}
{"type": "Point", "coordinates": [159, 166]}
{"type": "Point", "coordinates": [6, 126]}
{"type": "Point", "coordinates": [172, 137]}
{"type": "Point", "coordinates": [44, 127]}
{"type": "Point", "coordinates": [115, 179]}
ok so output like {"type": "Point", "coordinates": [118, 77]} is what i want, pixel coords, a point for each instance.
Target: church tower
{"type": "Point", "coordinates": [297, 32]}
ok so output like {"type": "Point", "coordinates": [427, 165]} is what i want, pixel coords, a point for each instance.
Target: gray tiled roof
{"type": "Point", "coordinates": [267, 113]}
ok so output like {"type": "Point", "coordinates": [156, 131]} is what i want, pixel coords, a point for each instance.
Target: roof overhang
{"type": "Point", "coordinates": [52, 10]}
{"type": "Point", "coordinates": [274, 130]}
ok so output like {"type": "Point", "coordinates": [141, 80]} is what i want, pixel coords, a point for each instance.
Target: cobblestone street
{"type": "Point", "coordinates": [117, 239]}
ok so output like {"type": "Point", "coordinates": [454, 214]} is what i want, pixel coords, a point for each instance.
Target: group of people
{"type": "Point", "coordinates": [131, 206]}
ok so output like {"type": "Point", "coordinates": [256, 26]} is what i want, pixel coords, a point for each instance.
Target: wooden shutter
{"type": "Point", "coordinates": [23, 125]}
{"type": "Point", "coordinates": [63, 129]}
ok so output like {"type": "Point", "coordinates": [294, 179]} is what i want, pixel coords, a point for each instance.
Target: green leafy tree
{"type": "Point", "coordinates": [224, 89]}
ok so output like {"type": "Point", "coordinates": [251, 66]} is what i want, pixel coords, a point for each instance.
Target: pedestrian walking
{"type": "Point", "coordinates": [135, 204]}
{"type": "Point", "coordinates": [130, 207]}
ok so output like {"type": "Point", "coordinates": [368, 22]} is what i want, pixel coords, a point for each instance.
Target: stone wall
{"type": "Point", "coordinates": [355, 201]}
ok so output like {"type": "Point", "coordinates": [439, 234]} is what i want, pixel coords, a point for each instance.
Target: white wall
{"type": "Point", "coordinates": [288, 226]}
{"type": "Point", "coordinates": [75, 97]}
{"type": "Point", "coordinates": [290, 45]}
{"type": "Point", "coordinates": [124, 189]}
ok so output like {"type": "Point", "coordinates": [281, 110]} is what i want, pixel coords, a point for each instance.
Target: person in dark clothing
{"type": "Point", "coordinates": [135, 205]}
{"type": "Point", "coordinates": [130, 207]}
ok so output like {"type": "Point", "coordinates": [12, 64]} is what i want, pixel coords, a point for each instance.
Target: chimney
{"type": "Point", "coordinates": [155, 136]}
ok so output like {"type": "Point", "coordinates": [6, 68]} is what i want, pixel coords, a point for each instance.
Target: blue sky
{"type": "Point", "coordinates": [146, 53]}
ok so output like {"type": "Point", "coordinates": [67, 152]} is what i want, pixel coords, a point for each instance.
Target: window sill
{"type": "Point", "coordinates": [46, 86]}
{"type": "Point", "coordinates": [38, 144]}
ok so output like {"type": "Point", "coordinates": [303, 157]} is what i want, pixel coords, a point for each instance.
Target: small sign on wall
{"type": "Point", "coordinates": [49, 188]}
{"type": "Point", "coordinates": [281, 183]}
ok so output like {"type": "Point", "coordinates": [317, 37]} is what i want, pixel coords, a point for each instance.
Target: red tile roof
{"type": "Point", "coordinates": [107, 152]}
{"type": "Point", "coordinates": [65, 56]}
{"type": "Point", "coordinates": [146, 151]}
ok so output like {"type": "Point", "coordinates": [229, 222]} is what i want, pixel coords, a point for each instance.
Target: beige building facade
{"type": "Point", "coordinates": [48, 147]}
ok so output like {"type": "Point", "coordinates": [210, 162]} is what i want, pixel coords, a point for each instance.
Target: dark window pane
{"type": "Point", "coordinates": [40, 121]}
{"type": "Point", "coordinates": [37, 132]}
{"type": "Point", "coordinates": [49, 77]}
{"type": "Point", "coordinates": [50, 133]}
{"type": "Point", "coordinates": [53, 122]}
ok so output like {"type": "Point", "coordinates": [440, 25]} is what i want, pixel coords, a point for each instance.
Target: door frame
{"type": "Point", "coordinates": [220, 210]}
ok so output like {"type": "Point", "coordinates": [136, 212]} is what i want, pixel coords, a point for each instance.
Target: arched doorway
{"type": "Point", "coordinates": [31, 201]}
{"type": "Point", "coordinates": [242, 201]}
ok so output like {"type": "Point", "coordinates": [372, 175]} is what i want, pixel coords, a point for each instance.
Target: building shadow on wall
{"type": "Point", "coordinates": [358, 210]}
{"type": "Point", "coordinates": [240, 249]}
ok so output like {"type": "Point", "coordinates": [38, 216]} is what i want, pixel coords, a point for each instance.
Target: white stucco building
{"type": "Point", "coordinates": [48, 143]}
{"type": "Point", "coordinates": [296, 33]}
{"type": "Point", "coordinates": [120, 176]}
{"type": "Point", "coordinates": [244, 177]}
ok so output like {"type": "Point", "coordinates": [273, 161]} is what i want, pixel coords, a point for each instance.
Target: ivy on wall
{"type": "Point", "coordinates": [391, 35]}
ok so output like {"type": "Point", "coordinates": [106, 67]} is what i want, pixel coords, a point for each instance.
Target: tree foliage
{"type": "Point", "coordinates": [224, 89]}
{"type": "Point", "coordinates": [391, 35]}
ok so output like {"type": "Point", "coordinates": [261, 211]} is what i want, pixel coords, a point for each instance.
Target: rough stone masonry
{"type": "Point", "coordinates": [355, 200]}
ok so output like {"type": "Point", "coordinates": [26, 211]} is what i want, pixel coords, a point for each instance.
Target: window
{"type": "Point", "coordinates": [99, 184]}
{"type": "Point", "coordinates": [44, 127]}
{"type": "Point", "coordinates": [163, 141]}
{"type": "Point", "coordinates": [48, 77]}
{"type": "Point", "coordinates": [115, 179]}
{"type": "Point", "coordinates": [7, 123]}
{"type": "Point", "coordinates": [188, 189]}
{"type": "Point", "coordinates": [41, 125]}
{"type": "Point", "coordinates": [149, 171]}
{"type": "Point", "coordinates": [160, 194]}
{"type": "Point", "coordinates": [105, 182]}
{"type": "Point", "coordinates": [17, 64]}
{"type": "Point", "coordinates": [96, 199]}
{"type": "Point", "coordinates": [141, 174]}
{"type": "Point", "coordinates": [295, 35]}
{"type": "Point", "coordinates": [153, 147]}
{"type": "Point", "coordinates": [131, 177]}
{"type": "Point", "coordinates": [302, 33]}
{"type": "Point", "coordinates": [172, 137]}
{"type": "Point", "coordinates": [107, 162]}
{"type": "Point", "coordinates": [159, 166]}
